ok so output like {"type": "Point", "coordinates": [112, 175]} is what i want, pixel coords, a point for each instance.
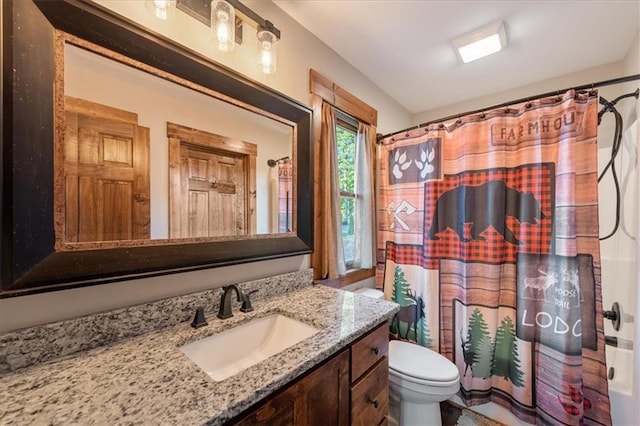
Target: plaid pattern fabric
{"type": "Point", "coordinates": [513, 184]}
{"type": "Point", "coordinates": [537, 179]}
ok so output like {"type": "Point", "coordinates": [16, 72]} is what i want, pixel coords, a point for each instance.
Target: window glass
{"type": "Point", "coordinates": [346, 141]}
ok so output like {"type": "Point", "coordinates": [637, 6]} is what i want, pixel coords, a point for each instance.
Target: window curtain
{"type": "Point", "coordinates": [328, 252]}
{"type": "Point", "coordinates": [364, 254]}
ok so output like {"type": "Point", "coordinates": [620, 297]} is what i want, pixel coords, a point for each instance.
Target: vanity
{"type": "Point", "coordinates": [340, 371]}
{"type": "Point", "coordinates": [352, 387]}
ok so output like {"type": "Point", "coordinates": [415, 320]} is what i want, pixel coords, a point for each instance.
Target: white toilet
{"type": "Point", "coordinates": [419, 379]}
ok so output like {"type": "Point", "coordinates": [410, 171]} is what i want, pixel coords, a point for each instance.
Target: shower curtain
{"type": "Point", "coordinates": [488, 239]}
{"type": "Point", "coordinates": [285, 196]}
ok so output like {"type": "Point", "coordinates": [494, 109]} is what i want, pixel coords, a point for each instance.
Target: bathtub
{"type": "Point", "coordinates": [620, 282]}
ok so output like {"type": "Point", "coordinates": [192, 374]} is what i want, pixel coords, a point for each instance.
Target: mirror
{"type": "Point", "coordinates": [216, 136]}
{"type": "Point", "coordinates": [133, 172]}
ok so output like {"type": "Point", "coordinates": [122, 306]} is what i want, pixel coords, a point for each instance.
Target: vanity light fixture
{"type": "Point", "coordinates": [161, 9]}
{"type": "Point", "coordinates": [225, 17]}
{"type": "Point", "coordinates": [226, 22]}
{"type": "Point", "coordinates": [223, 25]}
{"type": "Point", "coordinates": [268, 53]}
{"type": "Point", "coordinates": [482, 42]}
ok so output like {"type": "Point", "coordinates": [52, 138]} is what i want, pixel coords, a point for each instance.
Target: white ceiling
{"type": "Point", "coordinates": [404, 46]}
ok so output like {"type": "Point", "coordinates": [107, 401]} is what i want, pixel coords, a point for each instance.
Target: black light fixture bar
{"type": "Point", "coordinates": [239, 7]}
{"type": "Point", "coordinates": [201, 10]}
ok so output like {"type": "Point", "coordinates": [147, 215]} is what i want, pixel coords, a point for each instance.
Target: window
{"type": "Point", "coordinates": [344, 129]}
{"type": "Point", "coordinates": [346, 152]}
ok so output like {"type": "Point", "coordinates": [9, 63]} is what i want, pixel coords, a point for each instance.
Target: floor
{"type": "Point", "coordinates": [456, 415]}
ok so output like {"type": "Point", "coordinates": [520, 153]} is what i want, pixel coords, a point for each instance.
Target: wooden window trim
{"type": "Point", "coordinates": [340, 98]}
{"type": "Point", "coordinates": [324, 90]}
{"type": "Point", "coordinates": [352, 276]}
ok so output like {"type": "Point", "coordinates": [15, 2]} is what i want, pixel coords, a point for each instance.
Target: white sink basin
{"type": "Point", "coordinates": [225, 354]}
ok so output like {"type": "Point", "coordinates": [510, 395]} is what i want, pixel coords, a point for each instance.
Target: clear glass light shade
{"type": "Point", "coordinates": [161, 9]}
{"type": "Point", "coordinates": [223, 25]}
{"type": "Point", "coordinates": [268, 53]}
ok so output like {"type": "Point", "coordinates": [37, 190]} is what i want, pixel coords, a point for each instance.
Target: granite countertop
{"type": "Point", "coordinates": [148, 380]}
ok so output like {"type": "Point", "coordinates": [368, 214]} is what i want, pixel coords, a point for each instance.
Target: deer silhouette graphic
{"type": "Point", "coordinates": [572, 277]}
{"type": "Point", "coordinates": [411, 314]}
{"type": "Point", "coordinates": [469, 356]}
{"type": "Point", "coordinates": [540, 283]}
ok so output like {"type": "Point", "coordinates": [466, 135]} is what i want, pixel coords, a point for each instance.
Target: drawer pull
{"type": "Point", "coordinates": [375, 351]}
{"type": "Point", "coordinates": [375, 403]}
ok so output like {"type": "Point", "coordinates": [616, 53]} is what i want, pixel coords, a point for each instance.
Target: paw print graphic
{"type": "Point", "coordinates": [400, 163]}
{"type": "Point", "coordinates": [426, 158]}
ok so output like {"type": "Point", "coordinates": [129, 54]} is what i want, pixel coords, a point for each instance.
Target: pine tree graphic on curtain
{"type": "Point", "coordinates": [479, 347]}
{"type": "Point", "coordinates": [401, 288]}
{"type": "Point", "coordinates": [506, 363]}
{"type": "Point", "coordinates": [412, 311]}
{"type": "Point", "coordinates": [488, 358]}
{"type": "Point", "coordinates": [424, 338]}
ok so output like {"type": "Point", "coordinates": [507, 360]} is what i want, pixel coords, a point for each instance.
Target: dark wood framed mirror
{"type": "Point", "coordinates": [36, 257]}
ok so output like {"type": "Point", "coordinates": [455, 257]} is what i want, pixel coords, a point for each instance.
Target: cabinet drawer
{"type": "Point", "coordinates": [370, 396]}
{"type": "Point", "coordinates": [369, 350]}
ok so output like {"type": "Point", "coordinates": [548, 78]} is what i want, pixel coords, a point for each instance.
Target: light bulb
{"type": "Point", "coordinates": [162, 9]}
{"type": "Point", "coordinates": [223, 37]}
{"type": "Point", "coordinates": [267, 56]}
{"type": "Point", "coordinates": [223, 18]}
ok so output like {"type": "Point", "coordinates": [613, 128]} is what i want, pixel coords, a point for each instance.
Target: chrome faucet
{"type": "Point", "coordinates": [224, 311]}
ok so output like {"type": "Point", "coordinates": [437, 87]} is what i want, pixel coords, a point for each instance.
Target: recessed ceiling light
{"type": "Point", "coordinates": [480, 43]}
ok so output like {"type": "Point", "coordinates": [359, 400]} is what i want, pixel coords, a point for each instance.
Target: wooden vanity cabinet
{"type": "Point", "coordinates": [319, 398]}
{"type": "Point", "coordinates": [370, 378]}
{"type": "Point", "coordinates": [349, 388]}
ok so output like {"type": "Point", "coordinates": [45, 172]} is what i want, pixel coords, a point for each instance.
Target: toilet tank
{"type": "Point", "coordinates": [370, 292]}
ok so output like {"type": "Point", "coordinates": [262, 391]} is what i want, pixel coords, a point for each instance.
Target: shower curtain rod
{"type": "Point", "coordinates": [603, 83]}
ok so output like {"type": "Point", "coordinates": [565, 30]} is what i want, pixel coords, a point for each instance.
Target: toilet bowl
{"type": "Point", "coordinates": [419, 379]}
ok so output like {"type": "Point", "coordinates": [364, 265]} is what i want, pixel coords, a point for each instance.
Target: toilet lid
{"type": "Point", "coordinates": [417, 361]}
{"type": "Point", "coordinates": [371, 292]}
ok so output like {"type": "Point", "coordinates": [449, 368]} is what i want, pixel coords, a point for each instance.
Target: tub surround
{"type": "Point", "coordinates": [148, 379]}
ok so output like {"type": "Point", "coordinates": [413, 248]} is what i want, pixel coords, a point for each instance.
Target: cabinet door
{"type": "Point", "coordinates": [319, 398]}
{"type": "Point", "coordinates": [370, 396]}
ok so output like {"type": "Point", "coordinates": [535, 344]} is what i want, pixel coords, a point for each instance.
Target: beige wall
{"type": "Point", "coordinates": [298, 51]}
{"type": "Point", "coordinates": [604, 72]}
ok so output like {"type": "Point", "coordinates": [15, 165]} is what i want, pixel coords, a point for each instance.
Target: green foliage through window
{"type": "Point", "coordinates": [346, 151]}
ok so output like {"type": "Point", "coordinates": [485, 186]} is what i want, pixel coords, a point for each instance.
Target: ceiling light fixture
{"type": "Point", "coordinates": [480, 43]}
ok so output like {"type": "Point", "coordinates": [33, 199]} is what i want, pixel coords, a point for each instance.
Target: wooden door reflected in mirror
{"type": "Point", "coordinates": [106, 173]}
{"type": "Point", "coordinates": [225, 187]}
{"type": "Point", "coordinates": [212, 181]}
